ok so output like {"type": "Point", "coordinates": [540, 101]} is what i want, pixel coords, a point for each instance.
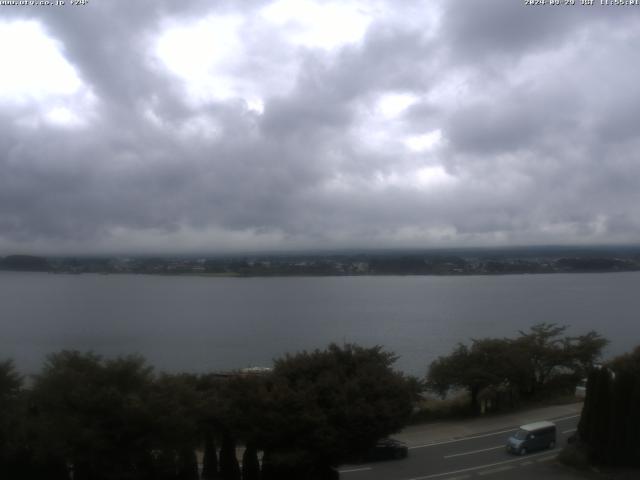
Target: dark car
{"type": "Point", "coordinates": [387, 449]}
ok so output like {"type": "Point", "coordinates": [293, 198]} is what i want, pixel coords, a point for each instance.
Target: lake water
{"type": "Point", "coordinates": [183, 323]}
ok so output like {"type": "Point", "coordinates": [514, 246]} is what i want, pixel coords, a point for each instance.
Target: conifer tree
{"type": "Point", "coordinates": [601, 420]}
{"type": "Point", "coordinates": [210, 458]}
{"type": "Point", "coordinates": [229, 468]}
{"type": "Point", "coordinates": [250, 464]}
{"type": "Point", "coordinates": [188, 465]}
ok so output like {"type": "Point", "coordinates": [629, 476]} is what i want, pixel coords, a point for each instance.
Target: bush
{"type": "Point", "coordinates": [575, 456]}
{"type": "Point", "coordinates": [430, 409]}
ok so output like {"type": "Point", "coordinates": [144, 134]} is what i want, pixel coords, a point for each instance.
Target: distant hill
{"type": "Point", "coordinates": [25, 263]}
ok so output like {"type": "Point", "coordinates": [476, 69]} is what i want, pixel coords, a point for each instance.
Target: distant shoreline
{"type": "Point", "coordinates": [328, 275]}
{"type": "Point", "coordinates": [429, 263]}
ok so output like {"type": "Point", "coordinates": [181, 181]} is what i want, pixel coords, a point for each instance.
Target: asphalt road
{"type": "Point", "coordinates": [481, 455]}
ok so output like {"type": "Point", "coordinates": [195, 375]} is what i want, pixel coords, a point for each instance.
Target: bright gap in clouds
{"type": "Point", "coordinates": [325, 25]}
{"type": "Point", "coordinates": [198, 53]}
{"type": "Point", "coordinates": [391, 105]}
{"type": "Point", "coordinates": [255, 105]}
{"type": "Point", "coordinates": [63, 116]}
{"type": "Point", "coordinates": [432, 176]}
{"type": "Point", "coordinates": [32, 66]}
{"type": "Point", "coordinates": [424, 142]}
{"type": "Point", "coordinates": [420, 178]}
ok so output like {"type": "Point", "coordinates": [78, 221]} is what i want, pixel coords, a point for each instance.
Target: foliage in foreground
{"type": "Point", "coordinates": [609, 428]}
{"type": "Point", "coordinates": [498, 372]}
{"type": "Point", "coordinates": [115, 419]}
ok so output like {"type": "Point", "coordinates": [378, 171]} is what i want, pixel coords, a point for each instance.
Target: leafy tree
{"type": "Point", "coordinates": [92, 414]}
{"type": "Point", "coordinates": [583, 351]}
{"type": "Point", "coordinates": [486, 363]}
{"type": "Point", "coordinates": [174, 404]}
{"type": "Point", "coordinates": [544, 350]}
{"type": "Point", "coordinates": [322, 407]}
{"type": "Point", "coordinates": [628, 362]}
{"type": "Point", "coordinates": [530, 364]}
{"type": "Point", "coordinates": [11, 419]}
{"type": "Point", "coordinates": [10, 381]}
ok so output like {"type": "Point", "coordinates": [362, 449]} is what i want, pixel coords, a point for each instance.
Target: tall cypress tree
{"type": "Point", "coordinates": [210, 458]}
{"type": "Point", "coordinates": [633, 431]}
{"type": "Point", "coordinates": [188, 465]}
{"type": "Point", "coordinates": [601, 419]}
{"type": "Point", "coordinates": [250, 463]}
{"type": "Point", "coordinates": [619, 434]}
{"type": "Point", "coordinates": [610, 421]}
{"type": "Point", "coordinates": [166, 466]}
{"type": "Point", "coordinates": [585, 426]}
{"type": "Point", "coordinates": [229, 468]}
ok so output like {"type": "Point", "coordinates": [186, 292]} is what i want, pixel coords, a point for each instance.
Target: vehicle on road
{"type": "Point", "coordinates": [387, 449]}
{"type": "Point", "coordinates": [531, 437]}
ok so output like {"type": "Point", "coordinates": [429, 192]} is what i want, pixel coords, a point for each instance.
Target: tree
{"type": "Point", "coordinates": [174, 403]}
{"type": "Point", "coordinates": [11, 420]}
{"type": "Point", "coordinates": [210, 457]}
{"type": "Point", "coordinates": [324, 407]}
{"type": "Point", "coordinates": [229, 467]}
{"type": "Point", "coordinates": [10, 381]}
{"type": "Point", "coordinates": [487, 363]}
{"type": "Point", "coordinates": [539, 361]}
{"type": "Point", "coordinates": [609, 427]}
{"type": "Point", "coordinates": [250, 463]}
{"type": "Point", "coordinates": [92, 415]}
{"type": "Point", "coordinates": [545, 352]}
{"type": "Point", "coordinates": [187, 464]}
{"type": "Point", "coordinates": [583, 351]}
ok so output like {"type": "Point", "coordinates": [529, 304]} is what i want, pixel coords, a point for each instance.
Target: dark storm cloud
{"type": "Point", "coordinates": [535, 108]}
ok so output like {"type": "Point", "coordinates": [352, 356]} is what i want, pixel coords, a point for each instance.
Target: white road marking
{"type": "Point", "coordinates": [363, 469]}
{"type": "Point", "coordinates": [474, 451]}
{"type": "Point", "coordinates": [479, 467]}
{"type": "Point", "coordinates": [484, 435]}
{"type": "Point", "coordinates": [569, 431]}
{"type": "Point", "coordinates": [464, 439]}
{"type": "Point", "coordinates": [496, 470]}
{"type": "Point", "coordinates": [565, 418]}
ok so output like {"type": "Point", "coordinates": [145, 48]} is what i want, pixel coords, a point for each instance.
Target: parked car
{"type": "Point", "coordinates": [387, 449]}
{"type": "Point", "coordinates": [533, 436]}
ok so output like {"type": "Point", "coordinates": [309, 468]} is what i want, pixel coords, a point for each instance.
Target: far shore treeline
{"type": "Point", "coordinates": [90, 418]}
{"type": "Point", "coordinates": [432, 262]}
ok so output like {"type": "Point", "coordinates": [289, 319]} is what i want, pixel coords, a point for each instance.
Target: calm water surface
{"type": "Point", "coordinates": [199, 323]}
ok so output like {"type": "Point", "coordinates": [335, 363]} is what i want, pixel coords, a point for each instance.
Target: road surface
{"type": "Point", "coordinates": [477, 455]}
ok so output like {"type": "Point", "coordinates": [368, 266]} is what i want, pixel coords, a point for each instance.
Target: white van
{"type": "Point", "coordinates": [533, 436]}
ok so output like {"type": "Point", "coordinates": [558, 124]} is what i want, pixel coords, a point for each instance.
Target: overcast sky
{"type": "Point", "coordinates": [213, 126]}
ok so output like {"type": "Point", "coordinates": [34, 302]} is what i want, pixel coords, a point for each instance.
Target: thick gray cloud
{"type": "Point", "coordinates": [491, 123]}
